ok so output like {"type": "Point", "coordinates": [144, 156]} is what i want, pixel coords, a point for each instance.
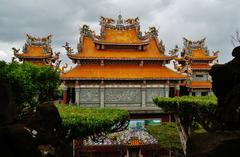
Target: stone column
{"type": "Point", "coordinates": [70, 95]}
{"type": "Point", "coordinates": [210, 92]}
{"type": "Point", "coordinates": [166, 91]}
{"type": "Point", "coordinates": [143, 97]}
{"type": "Point", "coordinates": [169, 117]}
{"type": "Point", "coordinates": [143, 90]}
{"type": "Point", "coordinates": [102, 91]}
{"type": "Point", "coordinates": [190, 93]}
{"type": "Point", "coordinates": [65, 95]}
{"type": "Point", "coordinates": [177, 90]}
{"type": "Point", "coordinates": [198, 93]}
{"type": "Point", "coordinates": [77, 95]}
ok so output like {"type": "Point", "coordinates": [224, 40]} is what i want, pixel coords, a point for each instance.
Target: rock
{"type": "Point", "coordinates": [16, 141]}
{"type": "Point", "coordinates": [8, 113]}
{"type": "Point", "coordinates": [46, 122]}
{"type": "Point", "coordinates": [37, 134]}
{"type": "Point", "coordinates": [214, 144]}
{"type": "Point", "coordinates": [226, 86]}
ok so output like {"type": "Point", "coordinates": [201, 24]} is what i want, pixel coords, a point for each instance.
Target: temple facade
{"type": "Point", "coordinates": [37, 51]}
{"type": "Point", "coordinates": [195, 61]}
{"type": "Point", "coordinates": [120, 67]}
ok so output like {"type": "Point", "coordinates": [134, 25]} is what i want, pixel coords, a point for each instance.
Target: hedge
{"type": "Point", "coordinates": [167, 136]}
{"type": "Point", "coordinates": [82, 122]}
{"type": "Point", "coordinates": [200, 109]}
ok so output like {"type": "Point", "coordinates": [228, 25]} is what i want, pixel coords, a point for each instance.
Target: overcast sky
{"type": "Point", "coordinates": [216, 20]}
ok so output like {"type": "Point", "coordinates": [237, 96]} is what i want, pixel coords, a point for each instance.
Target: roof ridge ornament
{"type": "Point", "coordinates": [106, 21]}
{"type": "Point", "coordinates": [194, 44]}
{"type": "Point", "coordinates": [15, 50]}
{"type": "Point", "coordinates": [119, 21]}
{"type": "Point", "coordinates": [65, 66]}
{"type": "Point", "coordinates": [86, 31]}
{"type": "Point", "coordinates": [190, 45]}
{"type": "Point", "coordinates": [68, 48]}
{"type": "Point", "coordinates": [44, 41]}
{"type": "Point", "coordinates": [174, 51]}
{"type": "Point", "coordinates": [153, 32]}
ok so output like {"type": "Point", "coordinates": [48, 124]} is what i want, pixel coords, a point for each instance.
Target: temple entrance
{"type": "Point", "coordinates": [134, 152]}
{"type": "Point", "coordinates": [184, 91]}
{"type": "Point", "coordinates": [71, 95]}
{"type": "Point", "coordinates": [171, 92]}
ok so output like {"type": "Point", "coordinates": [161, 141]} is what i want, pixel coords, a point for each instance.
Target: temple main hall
{"type": "Point", "coordinates": [120, 67]}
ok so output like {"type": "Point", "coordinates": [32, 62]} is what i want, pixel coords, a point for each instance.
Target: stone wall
{"type": "Point", "coordinates": [120, 96]}
{"type": "Point", "coordinates": [153, 92]}
{"type": "Point", "coordinates": [89, 97]}
{"type": "Point", "coordinates": [123, 95]}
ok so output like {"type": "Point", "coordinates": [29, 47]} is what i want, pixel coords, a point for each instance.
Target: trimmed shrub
{"type": "Point", "coordinates": [200, 109]}
{"type": "Point", "coordinates": [82, 122]}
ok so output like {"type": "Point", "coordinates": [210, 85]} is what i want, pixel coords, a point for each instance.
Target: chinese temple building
{"type": "Point", "coordinates": [120, 67]}
{"type": "Point", "coordinates": [37, 51]}
{"type": "Point", "coordinates": [196, 61]}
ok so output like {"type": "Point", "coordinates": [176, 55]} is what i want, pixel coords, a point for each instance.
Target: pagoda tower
{"type": "Point", "coordinates": [120, 67]}
{"type": "Point", "coordinates": [196, 62]}
{"type": "Point", "coordinates": [37, 51]}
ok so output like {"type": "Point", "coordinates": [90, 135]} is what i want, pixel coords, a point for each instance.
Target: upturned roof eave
{"type": "Point", "coordinates": [210, 58]}
{"type": "Point", "coordinates": [75, 57]}
{"type": "Point", "coordinates": [119, 79]}
{"type": "Point", "coordinates": [201, 68]}
{"type": "Point", "coordinates": [22, 56]}
{"type": "Point", "coordinates": [115, 43]}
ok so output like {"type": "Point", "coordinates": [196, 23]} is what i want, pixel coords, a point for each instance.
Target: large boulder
{"type": "Point", "coordinates": [214, 144]}
{"type": "Point", "coordinates": [226, 86]}
{"type": "Point", "coordinates": [37, 134]}
{"type": "Point", "coordinates": [8, 113]}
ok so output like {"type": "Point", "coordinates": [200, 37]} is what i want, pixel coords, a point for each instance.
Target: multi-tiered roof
{"type": "Point", "coordinates": [120, 52]}
{"type": "Point", "coordinates": [37, 50]}
{"type": "Point", "coordinates": [195, 59]}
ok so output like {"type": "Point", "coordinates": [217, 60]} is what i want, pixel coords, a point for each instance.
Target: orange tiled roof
{"type": "Point", "coordinates": [39, 63]}
{"type": "Point", "coordinates": [180, 59]}
{"type": "Point", "coordinates": [200, 84]}
{"type": "Point", "coordinates": [119, 72]}
{"type": "Point", "coordinates": [89, 51]}
{"type": "Point", "coordinates": [134, 142]}
{"type": "Point", "coordinates": [121, 36]}
{"type": "Point", "coordinates": [200, 55]}
{"type": "Point", "coordinates": [33, 52]}
{"type": "Point", "coordinates": [200, 66]}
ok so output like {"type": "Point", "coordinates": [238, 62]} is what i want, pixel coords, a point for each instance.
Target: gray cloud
{"type": "Point", "coordinates": [214, 19]}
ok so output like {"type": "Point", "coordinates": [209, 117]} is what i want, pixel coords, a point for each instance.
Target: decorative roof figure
{"type": "Point", "coordinates": [120, 20]}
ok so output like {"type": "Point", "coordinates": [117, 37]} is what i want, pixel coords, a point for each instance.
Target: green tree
{"type": "Point", "coordinates": [30, 84]}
